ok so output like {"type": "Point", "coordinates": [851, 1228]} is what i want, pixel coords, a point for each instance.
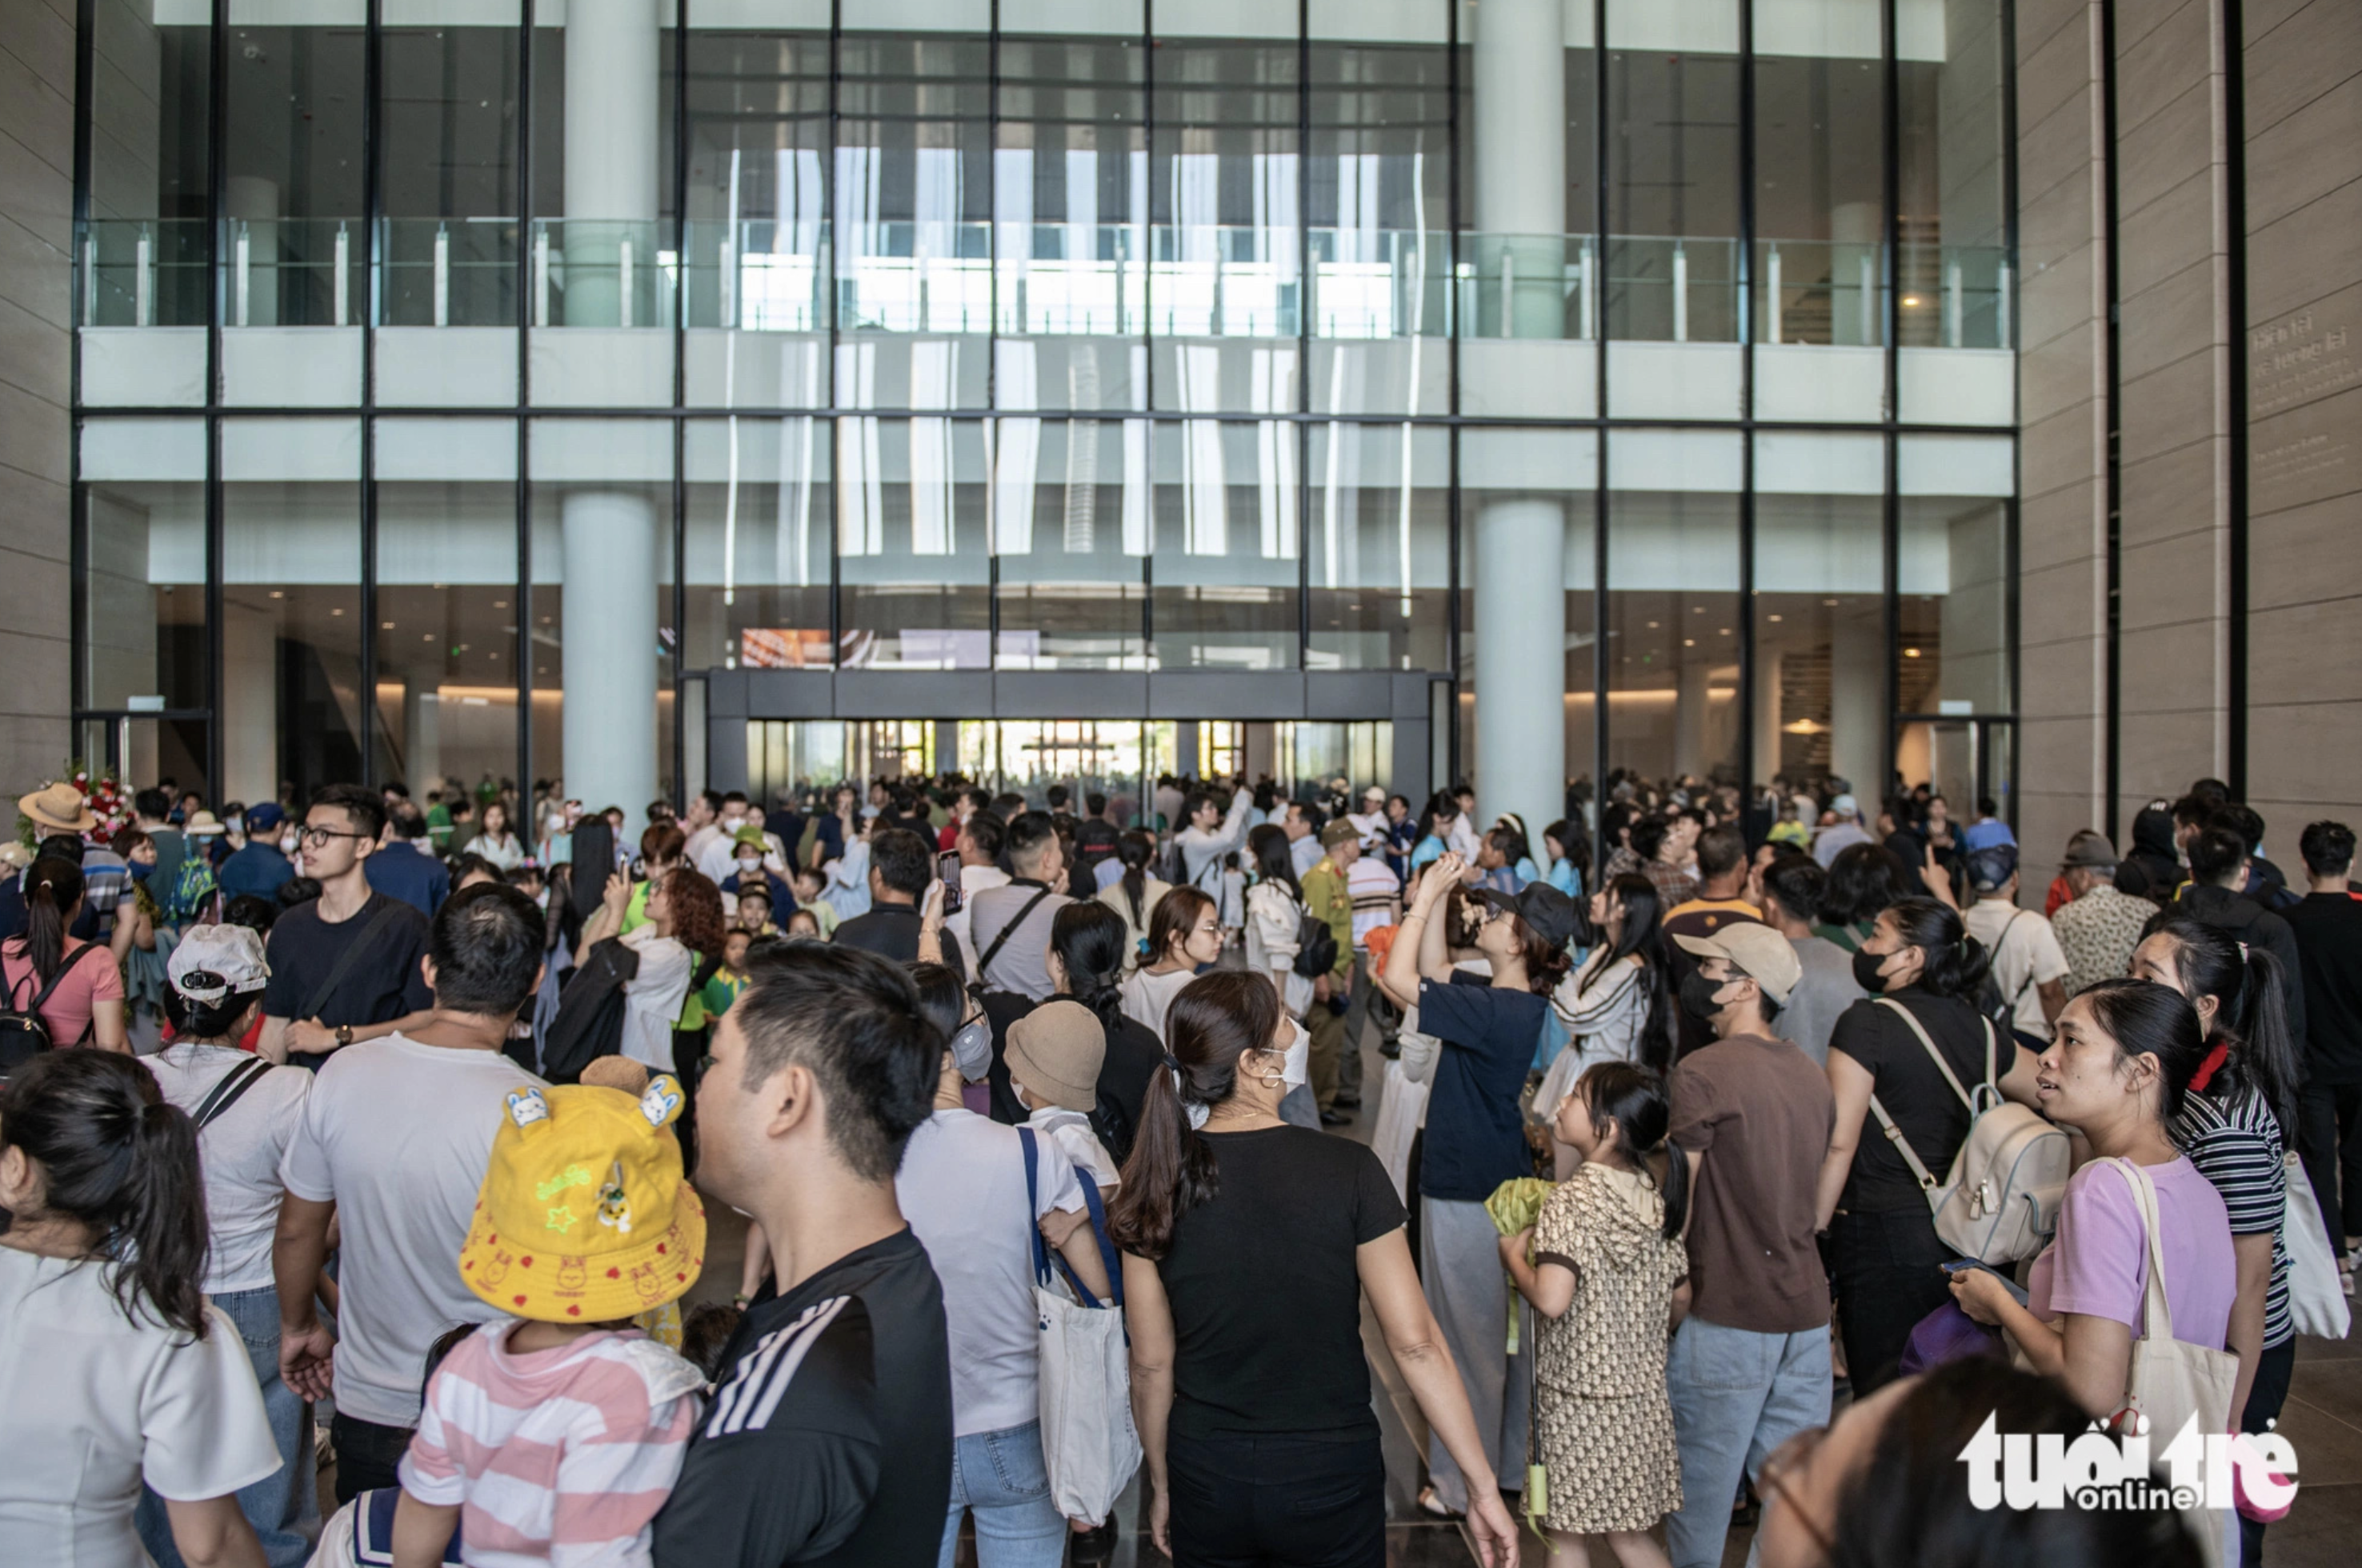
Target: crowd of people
{"type": "Point", "coordinates": [379, 1119]}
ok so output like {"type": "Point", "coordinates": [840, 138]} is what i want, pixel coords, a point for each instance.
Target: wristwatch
{"type": "Point", "coordinates": [344, 1035]}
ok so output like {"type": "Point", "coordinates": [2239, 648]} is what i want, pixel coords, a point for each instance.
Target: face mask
{"type": "Point", "coordinates": [1697, 996]}
{"type": "Point", "coordinates": [972, 1050]}
{"type": "Point", "coordinates": [141, 870]}
{"type": "Point", "coordinates": [749, 866]}
{"type": "Point", "coordinates": [1296, 1070]}
{"type": "Point", "coordinates": [1865, 971]}
{"type": "Point", "coordinates": [288, 841]}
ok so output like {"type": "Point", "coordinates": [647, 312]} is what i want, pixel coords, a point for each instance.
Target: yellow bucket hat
{"type": "Point", "coordinates": [584, 1217]}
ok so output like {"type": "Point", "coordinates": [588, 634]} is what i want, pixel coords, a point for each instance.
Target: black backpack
{"type": "Point", "coordinates": [589, 1021]}
{"type": "Point", "coordinates": [1315, 947]}
{"type": "Point", "coordinates": [24, 1033]}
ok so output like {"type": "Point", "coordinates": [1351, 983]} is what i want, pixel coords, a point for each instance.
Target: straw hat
{"type": "Point", "coordinates": [60, 808]}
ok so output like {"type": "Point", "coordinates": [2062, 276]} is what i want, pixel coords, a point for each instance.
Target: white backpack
{"type": "Point", "coordinates": [2000, 1202]}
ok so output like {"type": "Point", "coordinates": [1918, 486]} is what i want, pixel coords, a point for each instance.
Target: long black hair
{"type": "Point", "coordinates": [117, 1156]}
{"type": "Point", "coordinates": [1954, 963]}
{"type": "Point", "coordinates": [1864, 878]}
{"type": "Point", "coordinates": [2249, 1011]}
{"type": "Point", "coordinates": [1177, 914]}
{"type": "Point", "coordinates": [1575, 845]}
{"type": "Point", "coordinates": [1214, 1021]}
{"type": "Point", "coordinates": [1643, 939]}
{"type": "Point", "coordinates": [1090, 940]}
{"type": "Point", "coordinates": [52, 888]}
{"type": "Point", "coordinates": [942, 1001]}
{"type": "Point", "coordinates": [2146, 1018]}
{"type": "Point", "coordinates": [1441, 807]}
{"type": "Point", "coordinates": [1269, 843]}
{"type": "Point", "coordinates": [1135, 849]}
{"type": "Point", "coordinates": [1635, 1100]}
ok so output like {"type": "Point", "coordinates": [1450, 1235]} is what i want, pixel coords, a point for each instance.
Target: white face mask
{"type": "Point", "coordinates": [288, 841]}
{"type": "Point", "coordinates": [1297, 1071]}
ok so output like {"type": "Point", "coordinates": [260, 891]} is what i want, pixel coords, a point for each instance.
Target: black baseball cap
{"type": "Point", "coordinates": [1548, 914]}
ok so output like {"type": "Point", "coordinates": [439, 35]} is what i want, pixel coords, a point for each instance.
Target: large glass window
{"type": "Point", "coordinates": [293, 711]}
{"type": "Point", "coordinates": [1953, 572]}
{"type": "Point", "coordinates": [1227, 542]}
{"type": "Point", "coordinates": [760, 511]}
{"type": "Point", "coordinates": [1673, 604]}
{"type": "Point", "coordinates": [1820, 624]}
{"type": "Point", "coordinates": [1952, 262]}
{"type": "Point", "coordinates": [142, 595]}
{"type": "Point", "coordinates": [447, 602]}
{"type": "Point", "coordinates": [1380, 547]}
{"type": "Point", "coordinates": [911, 544]}
{"type": "Point", "coordinates": [1070, 528]}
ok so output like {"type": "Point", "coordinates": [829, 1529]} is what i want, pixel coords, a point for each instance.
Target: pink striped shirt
{"type": "Point", "coordinates": [560, 1457]}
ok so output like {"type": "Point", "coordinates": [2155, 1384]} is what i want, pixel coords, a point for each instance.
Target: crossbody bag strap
{"type": "Point", "coordinates": [1032, 1206]}
{"type": "Point", "coordinates": [71, 958]}
{"type": "Point", "coordinates": [1919, 1171]}
{"type": "Point", "coordinates": [387, 913]}
{"type": "Point", "coordinates": [228, 1089]}
{"type": "Point", "coordinates": [1000, 939]}
{"type": "Point", "coordinates": [2157, 1316]}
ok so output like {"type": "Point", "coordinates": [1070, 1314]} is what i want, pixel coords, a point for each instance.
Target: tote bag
{"type": "Point", "coordinates": [2316, 1300]}
{"type": "Point", "coordinates": [1088, 1445]}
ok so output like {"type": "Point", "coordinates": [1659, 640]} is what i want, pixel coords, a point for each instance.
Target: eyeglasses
{"type": "Point", "coordinates": [1781, 1469]}
{"type": "Point", "coordinates": [318, 837]}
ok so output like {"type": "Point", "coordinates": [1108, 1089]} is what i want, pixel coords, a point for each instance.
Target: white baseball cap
{"type": "Point", "coordinates": [213, 962]}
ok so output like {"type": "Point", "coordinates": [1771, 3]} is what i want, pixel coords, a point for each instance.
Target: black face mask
{"type": "Point", "coordinates": [1865, 971]}
{"type": "Point", "coordinates": [1697, 996]}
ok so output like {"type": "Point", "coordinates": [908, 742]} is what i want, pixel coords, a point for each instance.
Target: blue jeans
{"type": "Point", "coordinates": [284, 1508]}
{"type": "Point", "coordinates": [1737, 1396]}
{"type": "Point", "coordinates": [1001, 1478]}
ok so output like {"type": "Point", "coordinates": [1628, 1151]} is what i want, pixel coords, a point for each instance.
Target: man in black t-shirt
{"type": "Point", "coordinates": [900, 867]}
{"type": "Point", "coordinates": [829, 1438]}
{"type": "Point", "coordinates": [2328, 926]}
{"type": "Point", "coordinates": [345, 966]}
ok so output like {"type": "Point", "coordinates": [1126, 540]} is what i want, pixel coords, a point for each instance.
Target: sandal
{"type": "Point", "coordinates": [1432, 1505]}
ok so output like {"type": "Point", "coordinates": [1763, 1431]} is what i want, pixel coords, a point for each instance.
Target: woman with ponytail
{"type": "Point", "coordinates": [74, 986]}
{"type": "Point", "coordinates": [1134, 895]}
{"type": "Point", "coordinates": [119, 1372]}
{"type": "Point", "coordinates": [1922, 970]}
{"type": "Point", "coordinates": [1248, 1246]}
{"type": "Point", "coordinates": [1088, 943]}
{"type": "Point", "coordinates": [2235, 1124]}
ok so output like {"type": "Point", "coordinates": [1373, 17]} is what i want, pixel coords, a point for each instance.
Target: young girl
{"type": "Point", "coordinates": [1608, 1274]}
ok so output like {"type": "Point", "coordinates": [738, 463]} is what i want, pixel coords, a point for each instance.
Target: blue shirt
{"type": "Point", "coordinates": [1476, 1139]}
{"type": "Point", "coordinates": [257, 869]}
{"type": "Point", "coordinates": [417, 879]}
{"type": "Point", "coordinates": [1985, 835]}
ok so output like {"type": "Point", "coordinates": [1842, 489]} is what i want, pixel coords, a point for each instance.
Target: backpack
{"type": "Point", "coordinates": [2000, 1201]}
{"type": "Point", "coordinates": [1315, 947]}
{"type": "Point", "coordinates": [589, 1021]}
{"type": "Point", "coordinates": [24, 1033]}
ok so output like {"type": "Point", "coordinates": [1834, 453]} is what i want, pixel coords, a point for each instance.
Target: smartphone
{"type": "Point", "coordinates": [948, 867]}
{"type": "Point", "coordinates": [1962, 1265]}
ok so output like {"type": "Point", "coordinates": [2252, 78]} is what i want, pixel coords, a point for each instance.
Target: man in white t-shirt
{"type": "Point", "coordinates": [2027, 963]}
{"type": "Point", "coordinates": [395, 1139]}
{"type": "Point", "coordinates": [963, 1186]}
{"type": "Point", "coordinates": [978, 844]}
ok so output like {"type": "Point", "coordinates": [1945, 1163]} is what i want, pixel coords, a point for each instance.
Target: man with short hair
{"type": "Point", "coordinates": [1464, 838]}
{"type": "Point", "coordinates": [1010, 925]}
{"type": "Point", "coordinates": [830, 1436]}
{"type": "Point", "coordinates": [2098, 927]}
{"type": "Point", "coordinates": [1792, 889]}
{"type": "Point", "coordinates": [2027, 965]}
{"type": "Point", "coordinates": [1841, 834]}
{"type": "Point", "coordinates": [404, 866]}
{"type": "Point", "coordinates": [1328, 897]}
{"type": "Point", "coordinates": [1210, 835]}
{"type": "Point", "coordinates": [702, 822]}
{"type": "Point", "coordinates": [1653, 843]}
{"type": "Point", "coordinates": [1988, 831]}
{"type": "Point", "coordinates": [151, 812]}
{"type": "Point", "coordinates": [1750, 1366]}
{"type": "Point", "coordinates": [713, 857]}
{"type": "Point", "coordinates": [1302, 824]}
{"type": "Point", "coordinates": [343, 967]}
{"type": "Point", "coordinates": [2327, 925]}
{"type": "Point", "coordinates": [965, 804]}
{"type": "Point", "coordinates": [394, 1140]}
{"type": "Point", "coordinates": [2218, 869]}
{"type": "Point", "coordinates": [978, 843]}
{"type": "Point", "coordinates": [900, 867]}
{"type": "Point", "coordinates": [1718, 899]}
{"type": "Point", "coordinates": [259, 869]}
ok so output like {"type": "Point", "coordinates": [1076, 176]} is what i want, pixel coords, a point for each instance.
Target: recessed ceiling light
{"type": "Point", "coordinates": [385, 625]}
{"type": "Point", "coordinates": [1910, 653]}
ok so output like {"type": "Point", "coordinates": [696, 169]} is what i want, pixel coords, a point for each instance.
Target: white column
{"type": "Point", "coordinates": [1521, 61]}
{"type": "Point", "coordinates": [1856, 700]}
{"type": "Point", "coordinates": [611, 536]}
{"type": "Point", "coordinates": [1520, 611]}
{"type": "Point", "coordinates": [249, 701]}
{"type": "Point", "coordinates": [422, 735]}
{"type": "Point", "coordinates": [1185, 748]}
{"type": "Point", "coordinates": [1520, 632]}
{"type": "Point", "coordinates": [1693, 748]}
{"type": "Point", "coordinates": [1768, 718]}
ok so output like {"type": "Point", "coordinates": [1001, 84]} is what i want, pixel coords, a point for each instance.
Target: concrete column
{"type": "Point", "coordinates": [1260, 751]}
{"type": "Point", "coordinates": [249, 716]}
{"type": "Point", "coordinates": [1520, 64]}
{"type": "Point", "coordinates": [1693, 748]}
{"type": "Point", "coordinates": [611, 536]}
{"type": "Point", "coordinates": [1856, 700]}
{"type": "Point", "coordinates": [1520, 636]}
{"type": "Point", "coordinates": [422, 735]}
{"type": "Point", "coordinates": [1185, 748]}
{"type": "Point", "coordinates": [1767, 717]}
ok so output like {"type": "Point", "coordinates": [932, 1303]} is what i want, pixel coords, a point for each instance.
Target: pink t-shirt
{"type": "Point", "coordinates": [2098, 1265]}
{"type": "Point", "coordinates": [67, 1012]}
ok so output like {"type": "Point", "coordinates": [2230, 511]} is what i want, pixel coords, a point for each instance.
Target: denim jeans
{"type": "Point", "coordinates": [1737, 1396]}
{"type": "Point", "coordinates": [1001, 1478]}
{"type": "Point", "coordinates": [284, 1508]}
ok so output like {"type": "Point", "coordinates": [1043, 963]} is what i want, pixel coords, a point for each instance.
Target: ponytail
{"type": "Point", "coordinates": [121, 1159]}
{"type": "Point", "coordinates": [52, 888]}
{"type": "Point", "coordinates": [1135, 849]}
{"type": "Point", "coordinates": [2249, 989]}
{"type": "Point", "coordinates": [1091, 940]}
{"type": "Point", "coordinates": [1215, 1020]}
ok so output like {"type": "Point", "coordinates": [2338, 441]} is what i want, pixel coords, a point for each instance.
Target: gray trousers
{"type": "Point", "coordinates": [1357, 1013]}
{"type": "Point", "coordinates": [1460, 1268]}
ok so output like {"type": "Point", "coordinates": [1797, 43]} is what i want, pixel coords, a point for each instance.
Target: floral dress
{"type": "Point", "coordinates": [1603, 1423]}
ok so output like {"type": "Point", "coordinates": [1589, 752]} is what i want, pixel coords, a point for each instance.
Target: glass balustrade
{"type": "Point", "coordinates": [758, 275]}
{"type": "Point", "coordinates": [1368, 283]}
{"type": "Point", "coordinates": [144, 272]}
{"type": "Point", "coordinates": [1954, 296]}
{"type": "Point", "coordinates": [1207, 280]}
{"type": "Point", "coordinates": [1073, 279]}
{"type": "Point", "coordinates": [449, 271]}
{"type": "Point", "coordinates": [1810, 292]}
{"type": "Point", "coordinates": [1673, 290]}
{"type": "Point", "coordinates": [602, 272]}
{"type": "Point", "coordinates": [1527, 285]}
{"type": "Point", "coordinates": [915, 277]}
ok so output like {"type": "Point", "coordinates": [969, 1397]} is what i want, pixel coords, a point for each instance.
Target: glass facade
{"type": "Point", "coordinates": [434, 360]}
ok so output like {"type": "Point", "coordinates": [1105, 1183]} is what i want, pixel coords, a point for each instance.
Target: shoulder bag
{"type": "Point", "coordinates": [228, 1089]}
{"type": "Point", "coordinates": [1088, 1444]}
{"type": "Point", "coordinates": [390, 911]}
{"type": "Point", "coordinates": [2000, 1201]}
{"type": "Point", "coordinates": [1001, 940]}
{"type": "Point", "coordinates": [2316, 1300]}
